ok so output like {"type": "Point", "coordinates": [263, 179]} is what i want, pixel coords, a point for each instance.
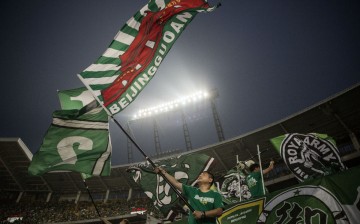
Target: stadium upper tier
{"type": "Point", "coordinates": [337, 116]}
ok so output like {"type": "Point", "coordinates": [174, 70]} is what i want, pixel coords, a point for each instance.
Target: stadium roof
{"type": "Point", "coordinates": [337, 116]}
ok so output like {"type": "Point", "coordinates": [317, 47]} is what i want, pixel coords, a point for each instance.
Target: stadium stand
{"type": "Point", "coordinates": [61, 197]}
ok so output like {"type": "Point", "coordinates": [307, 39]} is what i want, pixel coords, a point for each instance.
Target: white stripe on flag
{"type": "Point", "coordinates": [95, 111]}
{"type": "Point", "coordinates": [145, 8]}
{"type": "Point", "coordinates": [160, 3]}
{"type": "Point", "coordinates": [124, 38]}
{"type": "Point", "coordinates": [112, 53]}
{"type": "Point", "coordinates": [133, 23]}
{"type": "Point", "coordinates": [100, 81]}
{"type": "Point", "coordinates": [97, 92]}
{"type": "Point", "coordinates": [209, 163]}
{"type": "Point", "coordinates": [102, 160]}
{"type": "Point", "coordinates": [80, 124]}
{"type": "Point", "coordinates": [102, 68]}
{"type": "Point", "coordinates": [150, 44]}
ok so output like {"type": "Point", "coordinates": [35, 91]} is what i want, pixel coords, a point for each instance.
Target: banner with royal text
{"type": "Point", "coordinates": [310, 155]}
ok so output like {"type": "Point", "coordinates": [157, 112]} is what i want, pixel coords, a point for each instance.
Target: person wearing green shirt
{"type": "Point", "coordinates": [254, 180]}
{"type": "Point", "coordinates": [207, 203]}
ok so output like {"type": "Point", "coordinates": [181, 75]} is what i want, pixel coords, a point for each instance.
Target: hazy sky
{"type": "Point", "coordinates": [267, 59]}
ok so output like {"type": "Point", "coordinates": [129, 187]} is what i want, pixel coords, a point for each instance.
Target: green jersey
{"type": "Point", "coordinates": [254, 182]}
{"type": "Point", "coordinates": [202, 201]}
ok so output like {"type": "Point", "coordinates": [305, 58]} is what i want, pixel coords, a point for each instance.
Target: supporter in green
{"type": "Point", "coordinates": [254, 180]}
{"type": "Point", "coordinates": [206, 202]}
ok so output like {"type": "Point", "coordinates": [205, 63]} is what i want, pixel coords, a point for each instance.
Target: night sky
{"type": "Point", "coordinates": [267, 60]}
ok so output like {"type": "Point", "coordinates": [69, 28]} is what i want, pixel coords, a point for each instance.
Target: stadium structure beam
{"type": "Point", "coordinates": [156, 138]}
{"type": "Point", "coordinates": [283, 128]}
{"type": "Point", "coordinates": [130, 144]}
{"type": "Point", "coordinates": [220, 160]}
{"type": "Point", "coordinates": [244, 146]}
{"type": "Point", "coordinates": [327, 109]}
{"type": "Point", "coordinates": [218, 126]}
{"type": "Point", "coordinates": [186, 132]}
{"type": "Point", "coordinates": [49, 196]}
{"type": "Point", "coordinates": [124, 178]}
{"type": "Point", "coordinates": [351, 134]}
{"type": "Point", "coordinates": [73, 182]}
{"type": "Point", "coordinates": [46, 184]}
{"type": "Point", "coordinates": [11, 174]}
{"type": "Point", "coordinates": [103, 183]}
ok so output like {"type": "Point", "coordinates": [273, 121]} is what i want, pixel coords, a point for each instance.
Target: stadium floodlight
{"type": "Point", "coordinates": [171, 105]}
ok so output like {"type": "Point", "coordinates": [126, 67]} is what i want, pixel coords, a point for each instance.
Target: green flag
{"type": "Point", "coordinates": [77, 140]}
{"type": "Point", "coordinates": [137, 50]}
{"type": "Point", "coordinates": [328, 199]}
{"type": "Point", "coordinates": [184, 168]}
{"type": "Point", "coordinates": [309, 155]}
{"type": "Point", "coordinates": [233, 187]}
{"type": "Point", "coordinates": [75, 98]}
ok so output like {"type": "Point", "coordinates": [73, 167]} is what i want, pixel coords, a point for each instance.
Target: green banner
{"type": "Point", "coordinates": [77, 140]}
{"type": "Point", "coordinates": [330, 199]}
{"type": "Point", "coordinates": [233, 187]}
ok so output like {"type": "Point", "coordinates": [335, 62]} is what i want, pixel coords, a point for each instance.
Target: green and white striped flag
{"type": "Point", "coordinates": [138, 49]}
{"type": "Point", "coordinates": [77, 140]}
{"type": "Point", "coordinates": [309, 156]}
{"type": "Point", "coordinates": [185, 169]}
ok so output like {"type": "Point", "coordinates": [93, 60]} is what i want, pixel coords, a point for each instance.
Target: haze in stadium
{"type": "Point", "coordinates": [266, 59]}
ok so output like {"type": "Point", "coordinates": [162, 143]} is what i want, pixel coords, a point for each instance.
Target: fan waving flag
{"type": "Point", "coordinates": [138, 49]}
{"type": "Point", "coordinates": [309, 156]}
{"type": "Point", "coordinates": [77, 140]}
{"type": "Point", "coordinates": [185, 169]}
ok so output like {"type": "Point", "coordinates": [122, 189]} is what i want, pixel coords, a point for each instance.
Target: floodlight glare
{"type": "Point", "coordinates": [165, 107]}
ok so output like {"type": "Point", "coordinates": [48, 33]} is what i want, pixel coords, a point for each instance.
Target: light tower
{"type": "Point", "coordinates": [178, 105]}
{"type": "Point", "coordinates": [218, 126]}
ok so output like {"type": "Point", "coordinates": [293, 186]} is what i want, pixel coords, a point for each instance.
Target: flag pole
{"type": "Point", "coordinates": [234, 167]}
{"type": "Point", "coordinates": [136, 145]}
{"type": "Point", "coordinates": [261, 171]}
{"type": "Point", "coordinates": [92, 200]}
{"type": "Point", "coordinates": [238, 176]}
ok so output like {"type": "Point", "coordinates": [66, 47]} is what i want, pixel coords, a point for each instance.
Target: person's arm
{"type": "Point", "coordinates": [171, 179]}
{"type": "Point", "coordinates": [271, 166]}
{"type": "Point", "coordinates": [211, 213]}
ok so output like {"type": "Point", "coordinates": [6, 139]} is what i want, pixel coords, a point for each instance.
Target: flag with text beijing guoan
{"type": "Point", "coordinates": [138, 49]}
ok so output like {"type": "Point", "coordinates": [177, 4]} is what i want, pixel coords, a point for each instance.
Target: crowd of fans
{"type": "Point", "coordinates": [64, 211]}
